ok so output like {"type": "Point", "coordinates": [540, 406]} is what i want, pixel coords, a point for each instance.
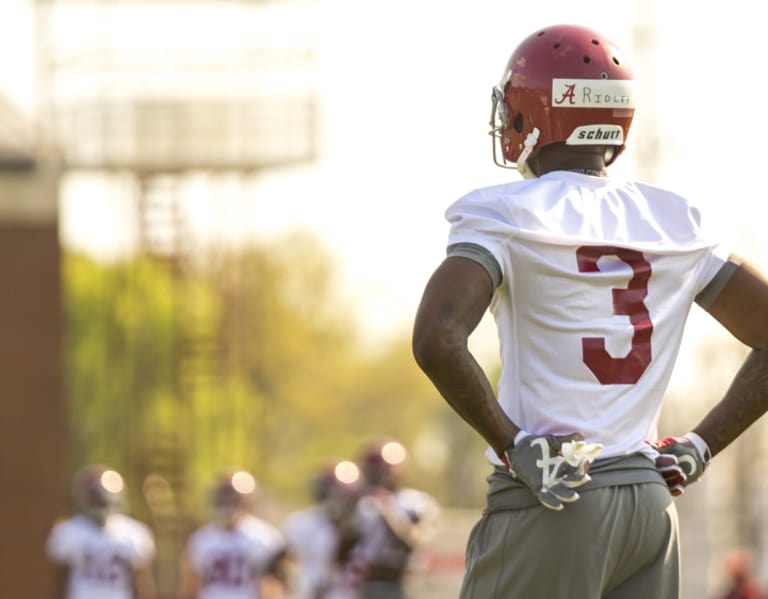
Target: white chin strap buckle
{"type": "Point", "coordinates": [530, 142]}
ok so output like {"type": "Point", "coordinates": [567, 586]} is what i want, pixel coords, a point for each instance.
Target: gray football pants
{"type": "Point", "coordinates": [618, 542]}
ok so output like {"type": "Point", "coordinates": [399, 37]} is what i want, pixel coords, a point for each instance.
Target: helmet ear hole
{"type": "Point", "coordinates": [518, 124]}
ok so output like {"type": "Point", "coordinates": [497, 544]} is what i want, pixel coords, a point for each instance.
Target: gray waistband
{"type": "Point", "coordinates": [505, 492]}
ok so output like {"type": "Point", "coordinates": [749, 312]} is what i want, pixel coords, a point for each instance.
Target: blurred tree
{"type": "Point", "coordinates": [118, 354]}
{"type": "Point", "coordinates": [250, 359]}
{"type": "Point", "coordinates": [288, 344]}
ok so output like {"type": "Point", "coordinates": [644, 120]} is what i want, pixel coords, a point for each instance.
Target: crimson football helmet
{"type": "Point", "coordinates": [381, 461]}
{"type": "Point", "coordinates": [738, 564]}
{"type": "Point", "coordinates": [562, 84]}
{"type": "Point", "coordinates": [234, 492]}
{"type": "Point", "coordinates": [338, 480]}
{"type": "Point", "coordinates": [98, 491]}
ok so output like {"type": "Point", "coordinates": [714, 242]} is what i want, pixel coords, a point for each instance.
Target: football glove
{"type": "Point", "coordinates": [552, 466]}
{"type": "Point", "coordinates": [680, 461]}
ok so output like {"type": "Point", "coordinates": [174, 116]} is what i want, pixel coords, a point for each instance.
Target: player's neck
{"type": "Point", "coordinates": [588, 171]}
{"type": "Point", "coordinates": [587, 160]}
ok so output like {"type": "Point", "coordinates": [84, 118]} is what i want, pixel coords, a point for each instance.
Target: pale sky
{"type": "Point", "coordinates": [406, 88]}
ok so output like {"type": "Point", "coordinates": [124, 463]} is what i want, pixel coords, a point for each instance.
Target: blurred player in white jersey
{"type": "Point", "coordinates": [393, 522]}
{"type": "Point", "coordinates": [320, 536]}
{"type": "Point", "coordinates": [102, 552]}
{"type": "Point", "coordinates": [236, 555]}
{"type": "Point", "coordinates": [590, 280]}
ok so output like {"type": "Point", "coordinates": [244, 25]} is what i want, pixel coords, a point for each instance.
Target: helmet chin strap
{"type": "Point", "coordinates": [522, 162]}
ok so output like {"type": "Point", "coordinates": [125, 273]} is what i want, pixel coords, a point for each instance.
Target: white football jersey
{"type": "Point", "coordinates": [230, 563]}
{"type": "Point", "coordinates": [598, 280]}
{"type": "Point", "coordinates": [101, 559]}
{"type": "Point", "coordinates": [313, 541]}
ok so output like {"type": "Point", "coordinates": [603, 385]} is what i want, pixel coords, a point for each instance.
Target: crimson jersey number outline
{"type": "Point", "coordinates": [226, 569]}
{"type": "Point", "coordinates": [629, 302]}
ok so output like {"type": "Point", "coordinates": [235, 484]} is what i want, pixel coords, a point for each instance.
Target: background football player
{"type": "Point", "coordinates": [101, 552]}
{"type": "Point", "coordinates": [320, 537]}
{"type": "Point", "coordinates": [236, 555]}
{"type": "Point", "coordinates": [393, 521]}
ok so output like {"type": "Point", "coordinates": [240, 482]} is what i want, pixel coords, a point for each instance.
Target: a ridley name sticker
{"type": "Point", "coordinates": [593, 93]}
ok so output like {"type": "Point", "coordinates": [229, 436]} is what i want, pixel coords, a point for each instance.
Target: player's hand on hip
{"type": "Point", "coordinates": [552, 466]}
{"type": "Point", "coordinates": [681, 461]}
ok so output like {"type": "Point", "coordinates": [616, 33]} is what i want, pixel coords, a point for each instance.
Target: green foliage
{"type": "Point", "coordinates": [119, 358]}
{"type": "Point", "coordinates": [250, 360]}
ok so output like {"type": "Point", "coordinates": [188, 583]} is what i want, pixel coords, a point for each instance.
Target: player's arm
{"type": "Point", "coordinates": [742, 308]}
{"type": "Point", "coordinates": [56, 550]}
{"type": "Point", "coordinates": [454, 301]}
{"type": "Point", "coordinates": [401, 523]}
{"type": "Point", "coordinates": [740, 304]}
{"type": "Point", "coordinates": [274, 584]}
{"type": "Point", "coordinates": [144, 581]}
{"type": "Point", "coordinates": [189, 580]}
{"type": "Point", "coordinates": [277, 565]}
{"type": "Point", "coordinates": [410, 515]}
{"type": "Point", "coordinates": [349, 535]}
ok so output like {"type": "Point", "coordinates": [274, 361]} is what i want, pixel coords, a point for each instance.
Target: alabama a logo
{"type": "Point", "coordinates": [593, 93]}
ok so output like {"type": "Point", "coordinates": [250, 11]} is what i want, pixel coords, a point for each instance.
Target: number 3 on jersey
{"type": "Point", "coordinates": [626, 302]}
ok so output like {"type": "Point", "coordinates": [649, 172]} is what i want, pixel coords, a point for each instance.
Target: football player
{"type": "Point", "coordinates": [393, 521]}
{"type": "Point", "coordinates": [320, 536]}
{"type": "Point", "coordinates": [590, 280]}
{"type": "Point", "coordinates": [236, 555]}
{"type": "Point", "coordinates": [742, 582]}
{"type": "Point", "coordinates": [101, 551]}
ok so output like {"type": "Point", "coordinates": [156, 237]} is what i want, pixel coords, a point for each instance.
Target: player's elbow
{"type": "Point", "coordinates": [422, 347]}
{"type": "Point", "coordinates": [757, 340]}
